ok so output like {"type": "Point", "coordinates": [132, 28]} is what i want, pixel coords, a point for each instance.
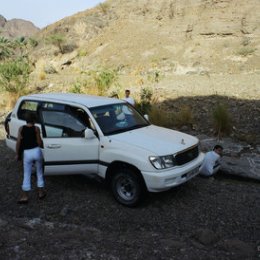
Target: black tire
{"type": "Point", "coordinates": [127, 187]}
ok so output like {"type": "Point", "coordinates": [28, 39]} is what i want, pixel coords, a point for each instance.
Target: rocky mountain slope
{"type": "Point", "coordinates": [172, 37]}
{"type": "Point", "coordinates": [16, 27]}
{"type": "Point", "coordinates": [195, 53]}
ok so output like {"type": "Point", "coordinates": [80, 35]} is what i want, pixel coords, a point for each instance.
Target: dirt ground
{"type": "Point", "coordinates": [79, 219]}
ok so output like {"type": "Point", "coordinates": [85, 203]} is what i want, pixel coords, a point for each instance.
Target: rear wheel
{"type": "Point", "coordinates": [127, 187]}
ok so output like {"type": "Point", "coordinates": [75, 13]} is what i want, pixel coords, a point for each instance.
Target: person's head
{"type": "Point", "coordinates": [30, 118]}
{"type": "Point", "coordinates": [218, 149]}
{"type": "Point", "coordinates": [127, 93]}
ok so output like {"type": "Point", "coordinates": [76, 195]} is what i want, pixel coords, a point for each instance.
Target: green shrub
{"type": "Point", "coordinates": [82, 53]}
{"type": "Point", "coordinates": [104, 7]}
{"type": "Point", "coordinates": [34, 43]}
{"type": "Point", "coordinates": [245, 51]}
{"type": "Point", "coordinates": [161, 117]}
{"type": "Point", "coordinates": [67, 48]}
{"type": "Point", "coordinates": [144, 106]}
{"type": "Point", "coordinates": [104, 80]}
{"type": "Point", "coordinates": [154, 76]}
{"type": "Point", "coordinates": [114, 94]}
{"type": "Point", "coordinates": [6, 48]}
{"type": "Point", "coordinates": [183, 117]}
{"type": "Point", "coordinates": [222, 120]}
{"type": "Point", "coordinates": [49, 69]}
{"type": "Point", "coordinates": [14, 75]}
{"type": "Point", "coordinates": [58, 40]}
{"type": "Point", "coordinates": [77, 88]}
{"type": "Point", "coordinates": [171, 10]}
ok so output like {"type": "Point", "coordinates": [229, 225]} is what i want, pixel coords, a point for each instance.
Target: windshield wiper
{"type": "Point", "coordinates": [118, 131]}
{"type": "Point", "coordinates": [137, 126]}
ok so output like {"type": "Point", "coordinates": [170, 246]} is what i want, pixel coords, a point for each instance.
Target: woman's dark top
{"type": "Point", "coordinates": [29, 137]}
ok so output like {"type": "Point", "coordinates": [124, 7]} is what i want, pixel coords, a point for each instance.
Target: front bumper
{"type": "Point", "coordinates": [161, 180]}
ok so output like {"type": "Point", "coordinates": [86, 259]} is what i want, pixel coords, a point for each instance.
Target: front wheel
{"type": "Point", "coordinates": [127, 187]}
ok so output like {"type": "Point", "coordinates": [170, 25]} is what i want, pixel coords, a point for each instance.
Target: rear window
{"type": "Point", "coordinates": [28, 106]}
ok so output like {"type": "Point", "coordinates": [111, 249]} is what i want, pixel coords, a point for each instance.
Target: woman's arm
{"type": "Point", "coordinates": [18, 142]}
{"type": "Point", "coordinates": [38, 137]}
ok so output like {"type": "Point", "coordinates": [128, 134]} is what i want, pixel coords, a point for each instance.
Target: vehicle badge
{"type": "Point", "coordinates": [182, 141]}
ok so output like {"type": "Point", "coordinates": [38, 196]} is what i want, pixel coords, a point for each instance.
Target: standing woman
{"type": "Point", "coordinates": [30, 142]}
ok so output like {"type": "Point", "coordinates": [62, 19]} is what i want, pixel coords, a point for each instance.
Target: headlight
{"type": "Point", "coordinates": [162, 162]}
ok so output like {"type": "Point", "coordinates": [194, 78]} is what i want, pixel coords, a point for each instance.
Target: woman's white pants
{"type": "Point", "coordinates": [31, 156]}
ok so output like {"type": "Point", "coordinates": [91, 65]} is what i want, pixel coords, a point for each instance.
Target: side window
{"type": "Point", "coordinates": [64, 121]}
{"type": "Point", "coordinates": [28, 106]}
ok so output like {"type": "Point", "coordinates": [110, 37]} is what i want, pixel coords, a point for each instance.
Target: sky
{"type": "Point", "coordinates": [43, 12]}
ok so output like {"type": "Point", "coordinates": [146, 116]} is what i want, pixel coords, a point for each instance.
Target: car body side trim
{"type": "Point", "coordinates": [56, 163]}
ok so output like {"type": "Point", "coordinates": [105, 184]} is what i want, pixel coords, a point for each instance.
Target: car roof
{"type": "Point", "coordinates": [82, 99]}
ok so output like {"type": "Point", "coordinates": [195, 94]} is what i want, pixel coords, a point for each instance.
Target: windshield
{"type": "Point", "coordinates": [118, 118]}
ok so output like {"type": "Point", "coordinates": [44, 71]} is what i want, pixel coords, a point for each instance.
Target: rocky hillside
{"type": "Point", "coordinates": [187, 52]}
{"type": "Point", "coordinates": [172, 37]}
{"type": "Point", "coordinates": [16, 27]}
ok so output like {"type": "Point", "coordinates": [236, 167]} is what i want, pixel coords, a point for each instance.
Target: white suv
{"type": "Point", "coordinates": [107, 137]}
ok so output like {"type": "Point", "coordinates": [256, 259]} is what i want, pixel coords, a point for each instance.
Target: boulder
{"type": "Point", "coordinates": [205, 236]}
{"type": "Point", "coordinates": [239, 159]}
{"type": "Point", "coordinates": [239, 249]}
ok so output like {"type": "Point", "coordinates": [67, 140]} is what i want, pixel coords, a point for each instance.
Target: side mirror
{"type": "Point", "coordinates": [89, 134]}
{"type": "Point", "coordinates": [146, 117]}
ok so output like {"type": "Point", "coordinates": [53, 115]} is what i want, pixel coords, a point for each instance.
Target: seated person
{"type": "Point", "coordinates": [211, 163]}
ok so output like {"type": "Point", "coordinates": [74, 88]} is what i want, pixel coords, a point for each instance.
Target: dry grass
{"type": "Point", "coordinates": [245, 51]}
{"type": "Point", "coordinates": [9, 101]}
{"type": "Point", "coordinates": [42, 75]}
{"type": "Point", "coordinates": [222, 120]}
{"type": "Point", "coordinates": [183, 117]}
{"type": "Point", "coordinates": [160, 117]}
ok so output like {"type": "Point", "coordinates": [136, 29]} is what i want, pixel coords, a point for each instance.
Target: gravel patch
{"type": "Point", "coordinates": [215, 218]}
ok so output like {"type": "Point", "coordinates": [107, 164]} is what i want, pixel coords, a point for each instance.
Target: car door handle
{"type": "Point", "coordinates": [54, 146]}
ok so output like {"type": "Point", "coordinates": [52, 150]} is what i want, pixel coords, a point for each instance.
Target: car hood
{"type": "Point", "coordinates": [157, 140]}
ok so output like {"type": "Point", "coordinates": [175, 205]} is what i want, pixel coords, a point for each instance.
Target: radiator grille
{"type": "Point", "coordinates": [187, 155]}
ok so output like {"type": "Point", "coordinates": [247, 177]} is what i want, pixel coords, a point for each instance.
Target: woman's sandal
{"type": "Point", "coordinates": [23, 201]}
{"type": "Point", "coordinates": [41, 195]}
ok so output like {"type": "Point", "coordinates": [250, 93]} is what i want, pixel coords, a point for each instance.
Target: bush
{"type": "Point", "coordinates": [104, 80]}
{"type": "Point", "coordinates": [67, 48]}
{"type": "Point", "coordinates": [34, 43]}
{"type": "Point", "coordinates": [161, 117]}
{"type": "Point", "coordinates": [114, 94]}
{"type": "Point", "coordinates": [49, 69]}
{"type": "Point", "coordinates": [57, 40]}
{"type": "Point", "coordinates": [82, 53]}
{"type": "Point", "coordinates": [183, 117]}
{"type": "Point", "coordinates": [104, 7]}
{"type": "Point", "coordinates": [144, 106]}
{"type": "Point", "coordinates": [14, 76]}
{"type": "Point", "coordinates": [222, 120]}
{"type": "Point", "coordinates": [154, 76]}
{"type": "Point", "coordinates": [246, 51]}
{"type": "Point", "coordinates": [6, 48]}
{"type": "Point", "coordinates": [77, 88]}
{"type": "Point", "coordinates": [42, 75]}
